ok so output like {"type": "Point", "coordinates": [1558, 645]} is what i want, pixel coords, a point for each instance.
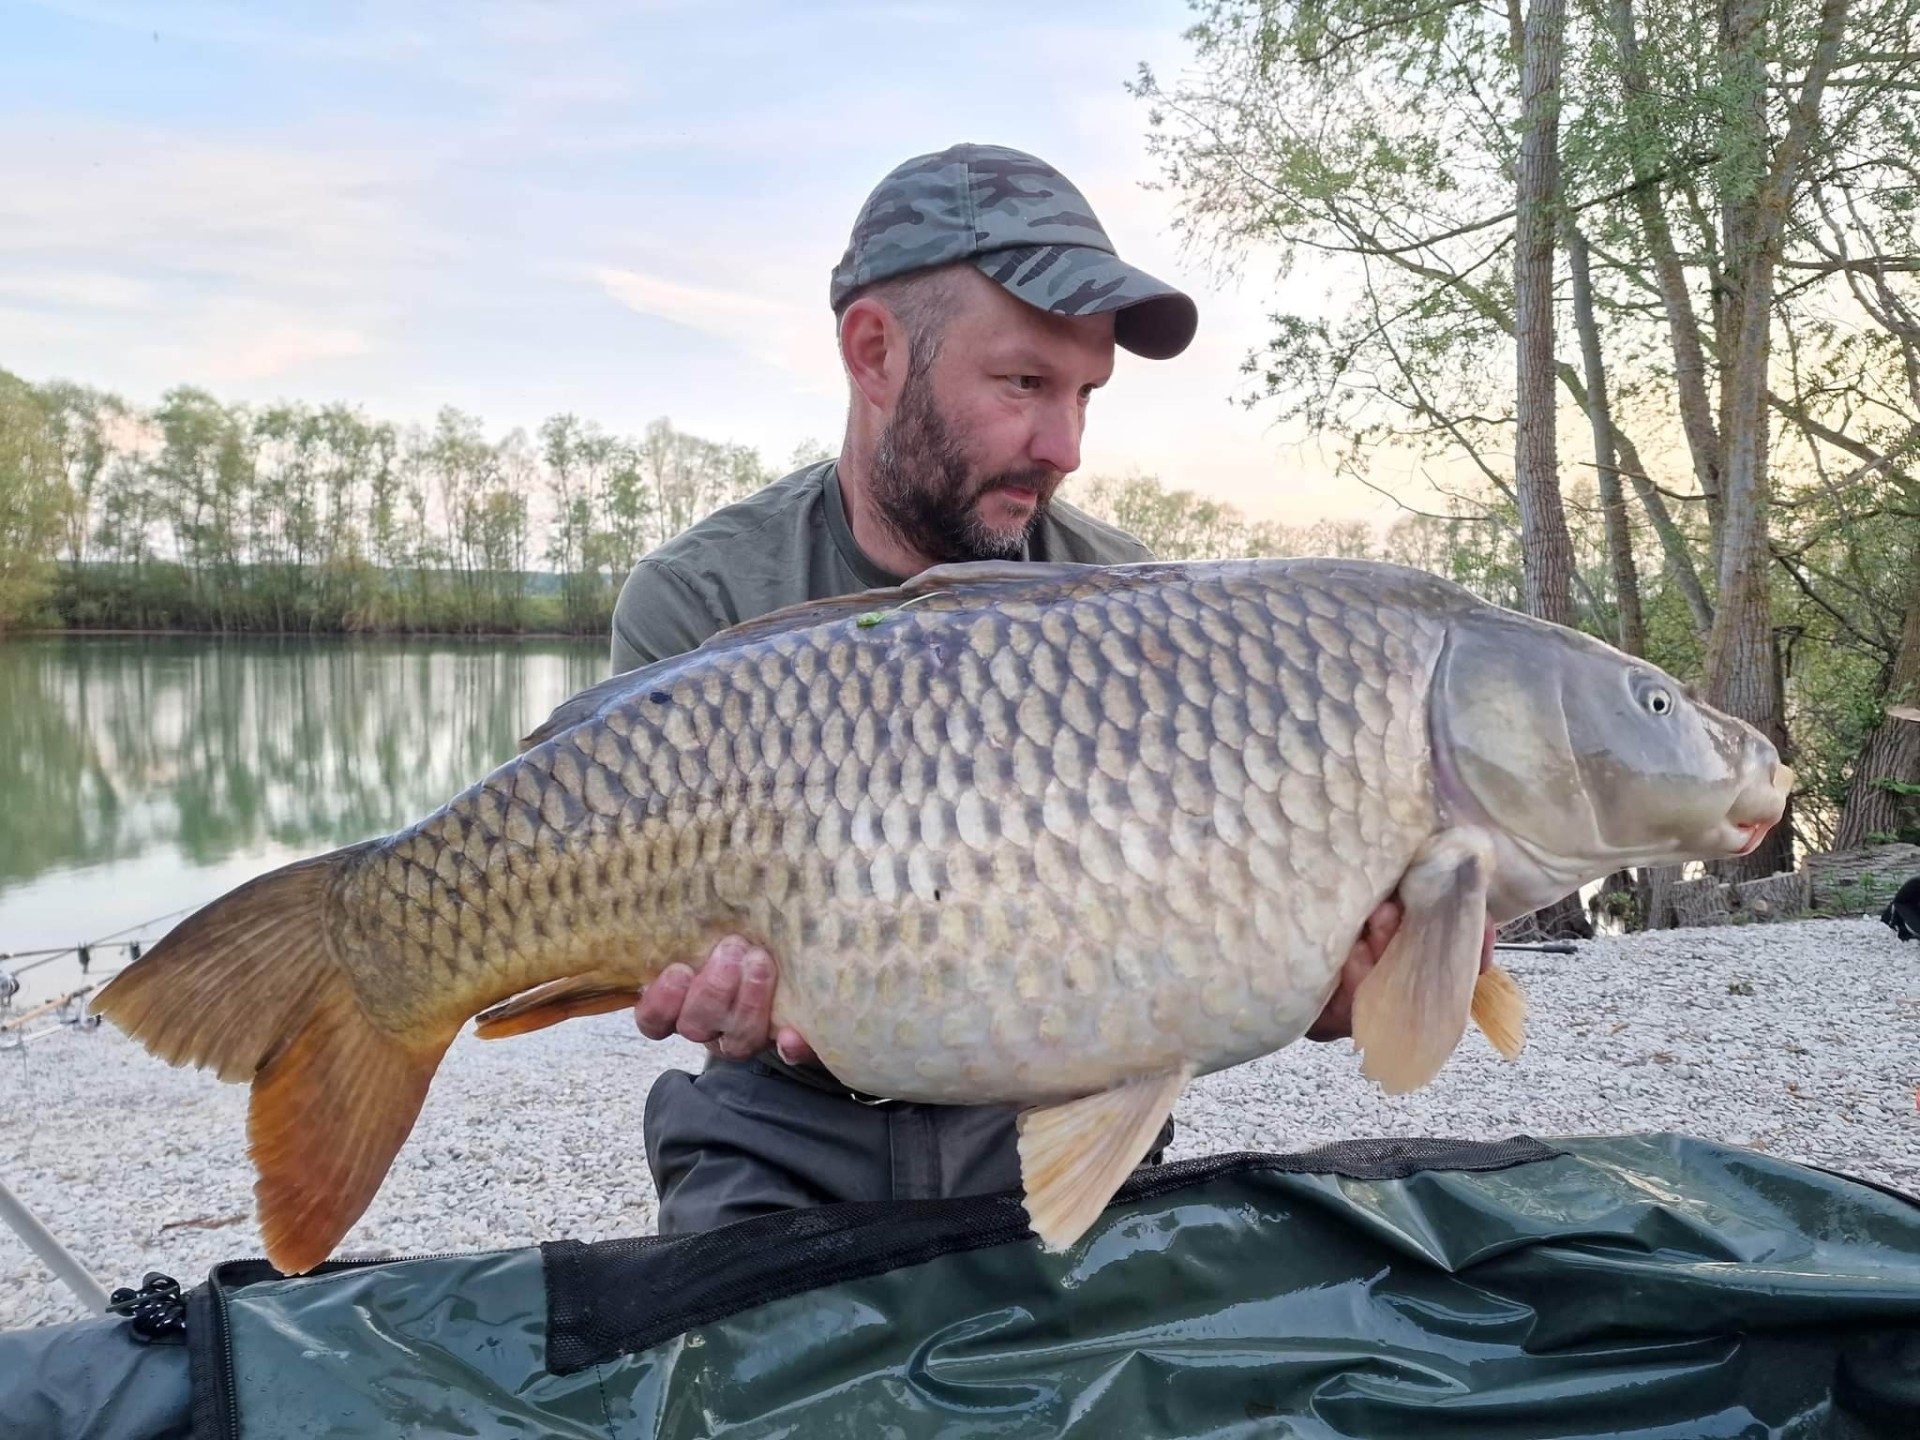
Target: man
{"type": "Point", "coordinates": [978, 304]}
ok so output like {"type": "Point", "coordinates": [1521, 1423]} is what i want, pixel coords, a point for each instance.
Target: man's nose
{"type": "Point", "coordinates": [1056, 439]}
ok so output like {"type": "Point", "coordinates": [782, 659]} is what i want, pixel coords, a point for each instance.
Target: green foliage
{"type": "Point", "coordinates": [201, 515]}
{"type": "Point", "coordinates": [1372, 146]}
{"type": "Point", "coordinates": [33, 499]}
{"type": "Point", "coordinates": [1180, 525]}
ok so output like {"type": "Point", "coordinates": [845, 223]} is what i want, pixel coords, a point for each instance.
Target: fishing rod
{"type": "Point", "coordinates": [15, 1022]}
{"type": "Point", "coordinates": [46, 956]}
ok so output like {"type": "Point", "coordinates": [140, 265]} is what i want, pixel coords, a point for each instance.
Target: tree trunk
{"type": "Point", "coordinates": [1742, 678]}
{"type": "Point", "coordinates": [1683, 326]}
{"type": "Point", "coordinates": [1673, 544]}
{"type": "Point", "coordinates": [1891, 755]}
{"type": "Point", "coordinates": [1631, 633]}
{"type": "Point", "coordinates": [1546, 547]}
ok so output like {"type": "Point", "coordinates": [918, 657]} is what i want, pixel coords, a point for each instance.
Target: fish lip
{"type": "Point", "coordinates": [1741, 837]}
{"type": "Point", "coordinates": [1762, 805]}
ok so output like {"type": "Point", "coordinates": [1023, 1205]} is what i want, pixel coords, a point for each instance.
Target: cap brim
{"type": "Point", "coordinates": [1150, 317]}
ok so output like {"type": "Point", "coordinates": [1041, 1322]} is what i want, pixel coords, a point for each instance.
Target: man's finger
{"type": "Point", "coordinates": [1380, 928]}
{"type": "Point", "coordinates": [744, 1030]}
{"type": "Point", "coordinates": [658, 1010]}
{"type": "Point", "coordinates": [710, 999]}
{"type": "Point", "coordinates": [793, 1049]}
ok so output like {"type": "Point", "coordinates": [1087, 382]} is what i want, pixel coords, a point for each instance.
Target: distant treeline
{"type": "Point", "coordinates": [201, 515]}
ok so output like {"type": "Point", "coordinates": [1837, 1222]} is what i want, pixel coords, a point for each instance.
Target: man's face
{"type": "Point", "coordinates": [978, 442]}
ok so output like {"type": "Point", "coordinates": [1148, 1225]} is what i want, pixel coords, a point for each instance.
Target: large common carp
{"type": "Point", "coordinates": [1055, 836]}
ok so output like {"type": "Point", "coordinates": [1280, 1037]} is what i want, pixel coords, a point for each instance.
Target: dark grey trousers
{"type": "Point", "coordinates": [743, 1138]}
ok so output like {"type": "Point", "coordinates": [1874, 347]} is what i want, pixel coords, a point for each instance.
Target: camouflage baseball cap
{"type": "Point", "coordinates": [1020, 222]}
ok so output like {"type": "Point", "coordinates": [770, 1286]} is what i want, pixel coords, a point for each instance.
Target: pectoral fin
{"type": "Point", "coordinates": [1500, 1010]}
{"type": "Point", "coordinates": [1411, 1010]}
{"type": "Point", "coordinates": [1073, 1156]}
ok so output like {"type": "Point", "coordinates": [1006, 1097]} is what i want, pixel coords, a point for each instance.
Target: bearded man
{"type": "Point", "coordinates": [979, 302]}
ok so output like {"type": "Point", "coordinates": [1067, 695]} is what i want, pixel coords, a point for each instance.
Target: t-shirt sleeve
{"type": "Point", "coordinates": [657, 615]}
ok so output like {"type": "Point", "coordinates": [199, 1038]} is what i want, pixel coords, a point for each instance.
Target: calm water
{"type": "Point", "coordinates": [141, 775]}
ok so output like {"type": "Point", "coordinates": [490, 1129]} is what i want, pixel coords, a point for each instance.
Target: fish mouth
{"type": "Point", "coordinates": [1757, 809]}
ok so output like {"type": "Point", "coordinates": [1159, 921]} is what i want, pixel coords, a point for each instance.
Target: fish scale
{"type": "Point", "coordinates": [1054, 836]}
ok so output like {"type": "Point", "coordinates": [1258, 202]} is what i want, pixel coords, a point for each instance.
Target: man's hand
{"type": "Point", "coordinates": [1336, 1020]}
{"type": "Point", "coordinates": [727, 1006]}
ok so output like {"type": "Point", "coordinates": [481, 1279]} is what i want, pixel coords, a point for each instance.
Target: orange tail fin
{"type": "Point", "coordinates": [250, 987]}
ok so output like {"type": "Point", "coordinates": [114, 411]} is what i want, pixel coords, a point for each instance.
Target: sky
{"type": "Point", "coordinates": [620, 210]}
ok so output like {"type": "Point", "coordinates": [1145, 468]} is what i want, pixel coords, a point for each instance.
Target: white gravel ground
{"type": "Point", "coordinates": [1801, 1039]}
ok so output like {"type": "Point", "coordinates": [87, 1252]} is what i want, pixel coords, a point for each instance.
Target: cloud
{"type": "Point", "coordinates": [235, 352]}
{"type": "Point", "coordinates": [97, 290]}
{"type": "Point", "coordinates": [282, 214]}
{"type": "Point", "coordinates": [776, 332]}
{"type": "Point", "coordinates": [170, 256]}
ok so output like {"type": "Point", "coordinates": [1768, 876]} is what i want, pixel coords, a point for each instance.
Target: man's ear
{"type": "Point", "coordinates": [873, 347]}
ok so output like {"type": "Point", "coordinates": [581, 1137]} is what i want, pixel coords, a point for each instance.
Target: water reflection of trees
{"type": "Point", "coordinates": [111, 747]}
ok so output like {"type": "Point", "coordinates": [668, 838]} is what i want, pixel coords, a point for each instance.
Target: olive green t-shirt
{"type": "Point", "coordinates": [785, 544]}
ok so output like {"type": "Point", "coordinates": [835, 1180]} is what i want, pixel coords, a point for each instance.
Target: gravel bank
{"type": "Point", "coordinates": [1800, 1039]}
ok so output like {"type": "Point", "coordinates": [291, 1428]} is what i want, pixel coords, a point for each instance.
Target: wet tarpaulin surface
{"type": "Point", "coordinates": [1646, 1286]}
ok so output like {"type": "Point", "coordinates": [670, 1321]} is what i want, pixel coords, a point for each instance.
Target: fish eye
{"type": "Point", "coordinates": [1659, 702]}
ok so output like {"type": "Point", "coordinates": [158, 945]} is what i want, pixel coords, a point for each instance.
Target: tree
{"type": "Point", "coordinates": [1173, 524]}
{"type": "Point", "coordinates": [1883, 802]}
{"type": "Point", "coordinates": [33, 499]}
{"type": "Point", "coordinates": [202, 476]}
{"type": "Point", "coordinates": [1702, 151]}
{"type": "Point", "coordinates": [1742, 667]}
{"type": "Point", "coordinates": [1543, 526]}
{"type": "Point", "coordinates": [82, 423]}
{"type": "Point", "coordinates": [1631, 630]}
{"type": "Point", "coordinates": [688, 477]}
{"type": "Point", "coordinates": [574, 455]}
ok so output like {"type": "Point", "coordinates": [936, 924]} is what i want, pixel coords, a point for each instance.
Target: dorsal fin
{"type": "Point", "coordinates": [958, 575]}
{"type": "Point", "coordinates": [802, 615]}
{"type": "Point", "coordinates": [583, 705]}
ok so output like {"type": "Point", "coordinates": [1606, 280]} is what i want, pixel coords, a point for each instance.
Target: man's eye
{"type": "Point", "coordinates": [1025, 382]}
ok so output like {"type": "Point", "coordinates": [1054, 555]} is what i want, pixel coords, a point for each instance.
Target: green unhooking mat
{"type": "Point", "coordinates": [1626, 1285]}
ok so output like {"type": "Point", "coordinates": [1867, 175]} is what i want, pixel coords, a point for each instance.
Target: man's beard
{"type": "Point", "coordinates": [924, 492]}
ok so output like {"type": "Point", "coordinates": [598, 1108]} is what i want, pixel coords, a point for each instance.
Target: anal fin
{"type": "Point", "coordinates": [1411, 1010]}
{"type": "Point", "coordinates": [1074, 1155]}
{"type": "Point", "coordinates": [1500, 1010]}
{"type": "Point", "coordinates": [551, 1003]}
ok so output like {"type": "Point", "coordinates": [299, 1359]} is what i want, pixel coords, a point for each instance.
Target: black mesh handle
{"type": "Point", "coordinates": [615, 1297]}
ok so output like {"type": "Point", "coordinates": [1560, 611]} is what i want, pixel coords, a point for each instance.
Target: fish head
{"type": "Point", "coordinates": [1582, 759]}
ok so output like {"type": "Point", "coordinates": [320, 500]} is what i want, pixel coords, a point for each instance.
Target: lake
{"type": "Point", "coordinates": [146, 775]}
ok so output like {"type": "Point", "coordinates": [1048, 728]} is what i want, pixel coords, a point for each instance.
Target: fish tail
{"type": "Point", "coordinates": [252, 988]}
